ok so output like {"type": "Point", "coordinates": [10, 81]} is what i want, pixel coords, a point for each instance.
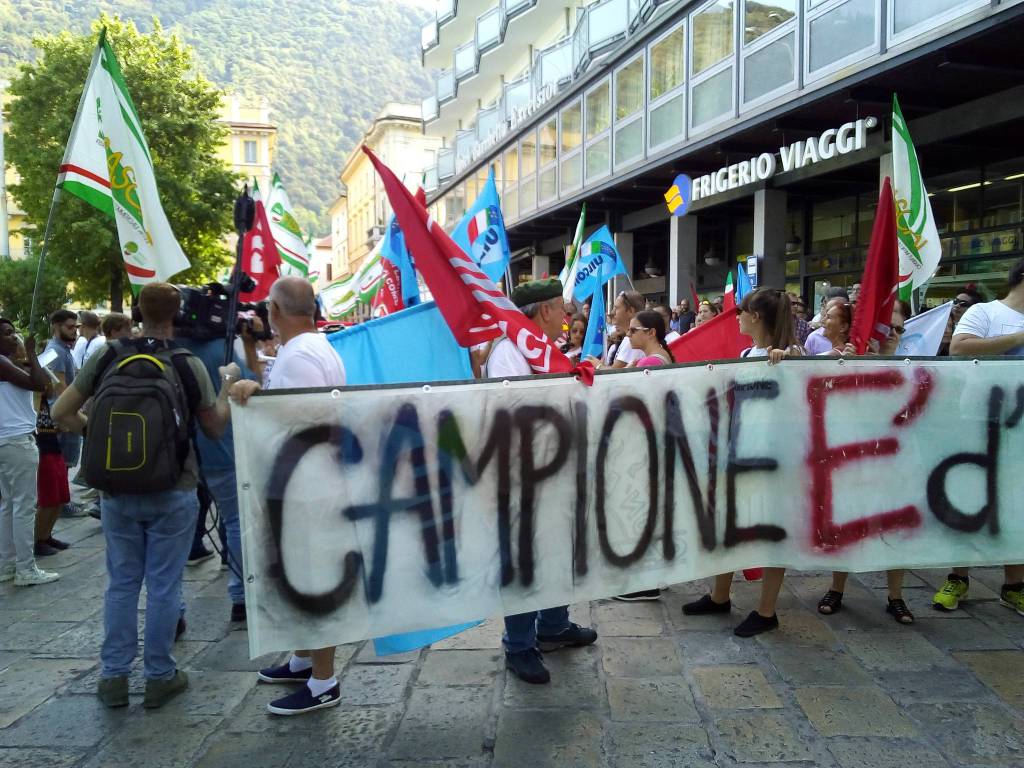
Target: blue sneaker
{"type": "Point", "coordinates": [284, 674]}
{"type": "Point", "coordinates": [303, 701]}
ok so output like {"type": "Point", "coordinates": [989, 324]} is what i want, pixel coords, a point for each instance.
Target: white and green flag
{"type": "Point", "coordinates": [291, 244]}
{"type": "Point", "coordinates": [568, 274]}
{"type": "Point", "coordinates": [916, 233]}
{"type": "Point", "coordinates": [370, 274]}
{"type": "Point", "coordinates": [339, 298]}
{"type": "Point", "coordinates": [107, 163]}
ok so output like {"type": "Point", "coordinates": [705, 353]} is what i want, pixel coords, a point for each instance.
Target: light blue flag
{"type": "Point", "coordinates": [394, 250]}
{"type": "Point", "coordinates": [481, 233]}
{"type": "Point", "coordinates": [394, 350]}
{"type": "Point", "coordinates": [742, 282]}
{"type": "Point", "coordinates": [598, 262]}
{"type": "Point", "coordinates": [597, 325]}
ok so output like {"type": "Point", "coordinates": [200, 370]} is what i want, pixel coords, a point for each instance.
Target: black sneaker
{"type": "Point", "coordinates": [705, 606]}
{"type": "Point", "coordinates": [198, 556]}
{"type": "Point", "coordinates": [284, 674]}
{"type": "Point", "coordinates": [303, 701]}
{"type": "Point", "coordinates": [755, 624]}
{"type": "Point", "coordinates": [238, 612]}
{"type": "Point", "coordinates": [94, 513]}
{"type": "Point", "coordinates": [573, 637]}
{"type": "Point", "coordinates": [42, 549]}
{"type": "Point", "coordinates": [57, 543]}
{"type": "Point", "coordinates": [636, 597]}
{"type": "Point", "coordinates": [179, 630]}
{"type": "Point", "coordinates": [528, 666]}
{"type": "Point", "coordinates": [72, 509]}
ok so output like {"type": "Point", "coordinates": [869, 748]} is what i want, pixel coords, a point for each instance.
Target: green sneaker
{"type": "Point", "coordinates": [113, 691]}
{"type": "Point", "coordinates": [159, 692]}
{"type": "Point", "coordinates": [1012, 596]}
{"type": "Point", "coordinates": [953, 591]}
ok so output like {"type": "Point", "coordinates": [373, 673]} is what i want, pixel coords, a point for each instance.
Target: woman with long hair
{"type": "Point", "coordinates": [577, 332]}
{"type": "Point", "coordinates": [836, 325]}
{"type": "Point", "coordinates": [705, 311]}
{"type": "Point", "coordinates": [647, 334]}
{"type": "Point", "coordinates": [766, 316]}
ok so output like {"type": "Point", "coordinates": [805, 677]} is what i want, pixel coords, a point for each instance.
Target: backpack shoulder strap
{"type": "Point", "coordinates": [117, 348]}
{"type": "Point", "coordinates": [187, 377]}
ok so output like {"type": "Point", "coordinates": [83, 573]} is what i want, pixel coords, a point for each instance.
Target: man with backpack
{"type": "Point", "coordinates": [148, 394]}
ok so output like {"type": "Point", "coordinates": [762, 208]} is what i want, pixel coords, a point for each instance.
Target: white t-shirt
{"type": "Point", "coordinates": [992, 319]}
{"type": "Point", "coordinates": [671, 336]}
{"type": "Point", "coordinates": [626, 354]}
{"type": "Point", "coordinates": [308, 360]}
{"type": "Point", "coordinates": [86, 348]}
{"type": "Point", "coordinates": [506, 360]}
{"type": "Point", "coordinates": [17, 415]}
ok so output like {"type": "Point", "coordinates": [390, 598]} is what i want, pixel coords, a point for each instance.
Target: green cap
{"type": "Point", "coordinates": [535, 291]}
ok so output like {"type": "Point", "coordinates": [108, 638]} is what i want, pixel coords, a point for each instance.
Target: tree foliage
{"type": "Point", "coordinates": [17, 279]}
{"type": "Point", "coordinates": [326, 67]}
{"type": "Point", "coordinates": [177, 108]}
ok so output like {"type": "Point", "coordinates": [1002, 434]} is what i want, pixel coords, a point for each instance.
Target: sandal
{"type": "Point", "coordinates": [899, 611]}
{"type": "Point", "coordinates": [831, 603]}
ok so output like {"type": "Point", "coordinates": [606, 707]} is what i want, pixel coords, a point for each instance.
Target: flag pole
{"type": "Point", "coordinates": [55, 202]}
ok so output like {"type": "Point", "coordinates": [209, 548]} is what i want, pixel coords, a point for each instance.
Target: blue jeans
{"type": "Point", "coordinates": [521, 630]}
{"type": "Point", "coordinates": [148, 537]}
{"type": "Point", "coordinates": [224, 489]}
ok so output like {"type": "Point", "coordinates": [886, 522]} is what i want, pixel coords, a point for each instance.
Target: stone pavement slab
{"type": "Point", "coordinates": [658, 690]}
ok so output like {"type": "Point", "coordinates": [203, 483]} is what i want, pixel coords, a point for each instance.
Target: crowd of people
{"type": "Point", "coordinates": [46, 399]}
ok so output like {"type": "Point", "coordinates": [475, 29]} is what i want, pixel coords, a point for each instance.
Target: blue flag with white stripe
{"type": "Point", "coordinates": [481, 233]}
{"type": "Point", "coordinates": [395, 250]}
{"type": "Point", "coordinates": [598, 262]}
{"type": "Point", "coordinates": [597, 326]}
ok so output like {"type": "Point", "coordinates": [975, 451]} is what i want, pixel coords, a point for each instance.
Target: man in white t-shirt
{"type": "Point", "coordinates": [626, 305]}
{"type": "Point", "coordinates": [527, 634]}
{"type": "Point", "coordinates": [305, 360]}
{"type": "Point", "coordinates": [89, 338]}
{"type": "Point", "coordinates": [992, 328]}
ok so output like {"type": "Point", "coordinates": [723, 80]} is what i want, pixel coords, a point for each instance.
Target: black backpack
{"type": "Point", "coordinates": [141, 418]}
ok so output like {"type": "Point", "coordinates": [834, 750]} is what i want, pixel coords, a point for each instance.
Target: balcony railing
{"type": "Point", "coordinates": [513, 7]}
{"type": "Point", "coordinates": [601, 25]}
{"type": "Point", "coordinates": [466, 60]}
{"type": "Point", "coordinates": [490, 28]}
{"type": "Point", "coordinates": [445, 163]}
{"type": "Point", "coordinates": [428, 35]}
{"type": "Point", "coordinates": [429, 108]}
{"type": "Point", "coordinates": [464, 142]}
{"type": "Point", "coordinates": [641, 10]}
{"type": "Point", "coordinates": [445, 10]}
{"type": "Point", "coordinates": [445, 86]}
{"type": "Point", "coordinates": [553, 65]}
{"type": "Point", "coordinates": [487, 120]}
{"type": "Point", "coordinates": [518, 94]}
{"type": "Point", "coordinates": [431, 179]}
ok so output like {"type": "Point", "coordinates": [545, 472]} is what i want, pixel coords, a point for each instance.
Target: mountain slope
{"type": "Point", "coordinates": [325, 66]}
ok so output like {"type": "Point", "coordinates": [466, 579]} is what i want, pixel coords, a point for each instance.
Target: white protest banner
{"type": "Point", "coordinates": [922, 334]}
{"type": "Point", "coordinates": [371, 511]}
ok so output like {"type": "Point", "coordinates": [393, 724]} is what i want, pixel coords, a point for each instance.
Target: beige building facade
{"type": "Point", "coordinates": [251, 141]}
{"type": "Point", "coordinates": [339, 236]}
{"type": "Point", "coordinates": [397, 138]}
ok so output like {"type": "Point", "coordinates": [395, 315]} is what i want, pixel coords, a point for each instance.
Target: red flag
{"type": "Point", "coordinates": [872, 317]}
{"type": "Point", "coordinates": [696, 298]}
{"type": "Point", "coordinates": [717, 339]}
{"type": "Point", "coordinates": [475, 310]}
{"type": "Point", "coordinates": [260, 259]}
{"type": "Point", "coordinates": [388, 298]}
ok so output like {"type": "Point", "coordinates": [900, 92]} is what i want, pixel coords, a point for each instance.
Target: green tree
{"type": "Point", "coordinates": [177, 107]}
{"type": "Point", "coordinates": [17, 279]}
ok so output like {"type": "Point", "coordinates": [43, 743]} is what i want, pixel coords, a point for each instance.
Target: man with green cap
{"type": "Point", "coordinates": [527, 634]}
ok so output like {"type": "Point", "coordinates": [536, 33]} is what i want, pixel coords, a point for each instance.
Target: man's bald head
{"type": "Point", "coordinates": [294, 297]}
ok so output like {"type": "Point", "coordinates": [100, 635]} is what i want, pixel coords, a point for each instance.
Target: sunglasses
{"type": "Point", "coordinates": [898, 329]}
{"type": "Point", "coordinates": [631, 331]}
{"type": "Point", "coordinates": [961, 303]}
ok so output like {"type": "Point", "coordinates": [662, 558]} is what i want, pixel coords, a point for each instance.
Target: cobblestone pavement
{"type": "Point", "coordinates": [852, 691]}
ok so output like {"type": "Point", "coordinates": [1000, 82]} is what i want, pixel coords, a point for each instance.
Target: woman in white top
{"type": "Point", "coordinates": [766, 316]}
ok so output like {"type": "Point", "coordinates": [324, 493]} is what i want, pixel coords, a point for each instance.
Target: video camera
{"type": "Point", "coordinates": [203, 313]}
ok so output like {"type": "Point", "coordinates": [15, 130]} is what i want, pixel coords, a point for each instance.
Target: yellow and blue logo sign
{"type": "Point", "coordinates": [679, 195]}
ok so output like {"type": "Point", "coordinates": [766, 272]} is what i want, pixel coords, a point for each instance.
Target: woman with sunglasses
{"type": "Point", "coordinates": [766, 316]}
{"type": "Point", "coordinates": [577, 332]}
{"type": "Point", "coordinates": [647, 335]}
{"type": "Point", "coordinates": [967, 298]}
{"type": "Point", "coordinates": [901, 312]}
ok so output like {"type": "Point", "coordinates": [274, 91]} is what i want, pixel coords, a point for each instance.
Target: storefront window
{"type": "Point", "coordinates": [764, 16]}
{"type": "Point", "coordinates": [599, 110]}
{"type": "Point", "coordinates": [1001, 203]}
{"type": "Point", "coordinates": [629, 89]}
{"type": "Point", "coordinates": [832, 225]}
{"type": "Point", "coordinates": [712, 34]}
{"type": "Point", "coordinates": [548, 142]}
{"type": "Point", "coordinates": [712, 98]}
{"type": "Point", "coordinates": [841, 32]}
{"type": "Point", "coordinates": [667, 63]}
{"type": "Point", "coordinates": [572, 127]}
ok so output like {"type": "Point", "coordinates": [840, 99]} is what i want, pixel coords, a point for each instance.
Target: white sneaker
{"type": "Point", "coordinates": [35, 576]}
{"type": "Point", "coordinates": [6, 573]}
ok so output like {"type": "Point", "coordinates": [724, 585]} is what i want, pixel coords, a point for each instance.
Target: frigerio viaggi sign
{"type": "Point", "coordinates": [847, 138]}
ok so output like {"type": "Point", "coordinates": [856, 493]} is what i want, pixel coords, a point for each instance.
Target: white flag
{"type": "Point", "coordinates": [107, 164]}
{"type": "Point", "coordinates": [922, 334]}
{"type": "Point", "coordinates": [291, 244]}
{"type": "Point", "coordinates": [916, 234]}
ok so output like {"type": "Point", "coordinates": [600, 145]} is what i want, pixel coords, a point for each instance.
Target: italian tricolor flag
{"type": "Point", "coordinates": [480, 223]}
{"type": "Point", "coordinates": [729, 298]}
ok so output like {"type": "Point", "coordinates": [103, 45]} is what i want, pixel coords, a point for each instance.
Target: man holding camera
{"type": "Point", "coordinates": [305, 360]}
{"type": "Point", "coordinates": [148, 533]}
